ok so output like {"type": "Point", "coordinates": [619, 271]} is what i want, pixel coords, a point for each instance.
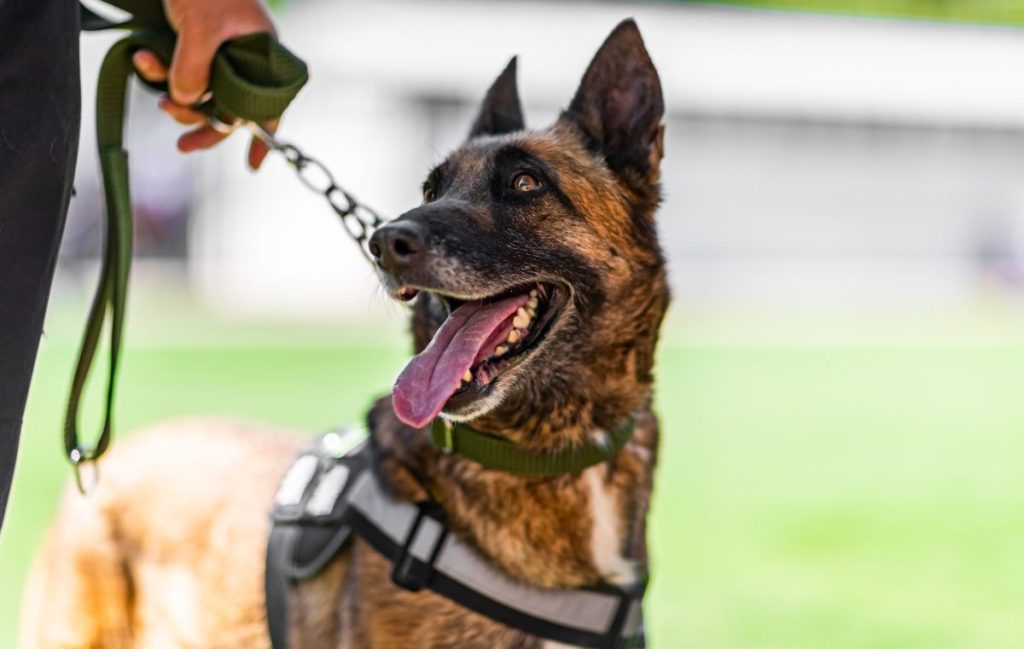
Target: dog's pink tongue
{"type": "Point", "coordinates": [433, 375]}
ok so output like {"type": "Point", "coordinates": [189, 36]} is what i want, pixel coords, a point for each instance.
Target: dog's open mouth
{"type": "Point", "coordinates": [480, 340]}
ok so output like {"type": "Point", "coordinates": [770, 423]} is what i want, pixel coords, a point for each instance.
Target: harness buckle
{"type": "Point", "coordinates": [414, 565]}
{"type": "Point", "coordinates": [627, 628]}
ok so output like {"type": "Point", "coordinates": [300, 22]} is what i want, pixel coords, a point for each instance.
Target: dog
{"type": "Point", "coordinates": [534, 261]}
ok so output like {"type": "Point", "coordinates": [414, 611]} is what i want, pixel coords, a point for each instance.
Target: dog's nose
{"type": "Point", "coordinates": [397, 245]}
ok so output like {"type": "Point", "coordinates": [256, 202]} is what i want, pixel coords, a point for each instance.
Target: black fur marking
{"type": "Point", "coordinates": [619, 105]}
{"type": "Point", "coordinates": [511, 160]}
{"type": "Point", "coordinates": [500, 111]}
{"type": "Point", "coordinates": [436, 179]}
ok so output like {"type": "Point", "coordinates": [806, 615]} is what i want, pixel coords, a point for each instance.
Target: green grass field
{"type": "Point", "coordinates": [809, 496]}
{"type": "Point", "coordinates": [989, 12]}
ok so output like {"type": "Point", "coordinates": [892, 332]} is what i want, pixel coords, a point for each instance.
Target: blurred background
{"type": "Point", "coordinates": [841, 374]}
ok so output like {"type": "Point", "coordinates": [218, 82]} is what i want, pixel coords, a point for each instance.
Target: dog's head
{"type": "Point", "coordinates": [534, 260]}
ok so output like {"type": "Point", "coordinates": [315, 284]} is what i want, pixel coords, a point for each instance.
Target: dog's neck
{"type": "Point", "coordinates": [565, 531]}
{"type": "Point", "coordinates": [564, 419]}
{"type": "Point", "coordinates": [569, 530]}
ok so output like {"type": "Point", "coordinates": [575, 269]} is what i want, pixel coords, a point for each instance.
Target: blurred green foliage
{"type": "Point", "coordinates": [858, 497]}
{"type": "Point", "coordinates": [993, 12]}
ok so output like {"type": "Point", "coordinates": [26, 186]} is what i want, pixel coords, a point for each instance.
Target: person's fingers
{"type": "Point", "coordinates": [203, 137]}
{"type": "Point", "coordinates": [257, 149]}
{"type": "Point", "coordinates": [149, 66]}
{"type": "Point", "coordinates": [257, 153]}
{"type": "Point", "coordinates": [202, 27]}
{"type": "Point", "coordinates": [190, 67]}
{"type": "Point", "coordinates": [181, 114]}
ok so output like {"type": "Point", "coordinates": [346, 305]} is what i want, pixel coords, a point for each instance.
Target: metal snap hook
{"type": "Point", "coordinates": [86, 470]}
{"type": "Point", "coordinates": [264, 136]}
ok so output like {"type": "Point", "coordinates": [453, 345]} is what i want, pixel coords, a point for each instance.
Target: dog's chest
{"type": "Point", "coordinates": [606, 528]}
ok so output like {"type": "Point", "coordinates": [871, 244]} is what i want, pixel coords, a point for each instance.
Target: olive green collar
{"type": "Point", "coordinates": [502, 455]}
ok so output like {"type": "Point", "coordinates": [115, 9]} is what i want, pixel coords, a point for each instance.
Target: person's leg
{"type": "Point", "coordinates": [39, 118]}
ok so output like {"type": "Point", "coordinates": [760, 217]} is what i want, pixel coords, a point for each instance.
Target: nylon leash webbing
{"type": "Point", "coordinates": [253, 78]}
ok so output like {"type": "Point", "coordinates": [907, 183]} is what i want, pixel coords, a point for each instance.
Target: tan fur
{"type": "Point", "coordinates": [168, 551]}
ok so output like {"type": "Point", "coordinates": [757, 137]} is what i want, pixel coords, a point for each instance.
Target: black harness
{"type": "Point", "coordinates": [332, 492]}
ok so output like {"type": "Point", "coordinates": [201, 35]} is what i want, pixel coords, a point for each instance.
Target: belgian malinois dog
{"type": "Point", "coordinates": [537, 289]}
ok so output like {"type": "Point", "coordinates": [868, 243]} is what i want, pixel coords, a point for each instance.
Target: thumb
{"type": "Point", "coordinates": [190, 67]}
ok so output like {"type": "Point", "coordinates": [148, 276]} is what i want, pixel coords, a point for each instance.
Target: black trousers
{"type": "Point", "coordinates": [40, 104]}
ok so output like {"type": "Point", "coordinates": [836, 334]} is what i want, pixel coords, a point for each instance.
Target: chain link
{"type": "Point", "coordinates": [359, 221]}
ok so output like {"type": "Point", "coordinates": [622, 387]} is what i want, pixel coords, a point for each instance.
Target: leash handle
{"type": "Point", "coordinates": [253, 78]}
{"type": "Point", "coordinates": [112, 291]}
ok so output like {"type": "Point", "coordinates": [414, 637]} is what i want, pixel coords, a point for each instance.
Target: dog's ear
{"type": "Point", "coordinates": [619, 106]}
{"type": "Point", "coordinates": [500, 111]}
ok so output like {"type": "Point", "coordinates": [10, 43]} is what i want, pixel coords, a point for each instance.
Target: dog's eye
{"type": "Point", "coordinates": [525, 182]}
{"type": "Point", "coordinates": [428, 194]}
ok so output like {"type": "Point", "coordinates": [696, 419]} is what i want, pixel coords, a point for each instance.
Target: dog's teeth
{"type": "Point", "coordinates": [533, 292]}
{"type": "Point", "coordinates": [500, 350]}
{"type": "Point", "coordinates": [467, 377]}
{"type": "Point", "coordinates": [513, 336]}
{"type": "Point", "coordinates": [531, 304]}
{"type": "Point", "coordinates": [522, 319]}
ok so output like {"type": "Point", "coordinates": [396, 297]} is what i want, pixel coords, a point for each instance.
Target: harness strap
{"type": "Point", "coordinates": [253, 78]}
{"type": "Point", "coordinates": [315, 514]}
{"type": "Point", "coordinates": [424, 555]}
{"type": "Point", "coordinates": [277, 584]}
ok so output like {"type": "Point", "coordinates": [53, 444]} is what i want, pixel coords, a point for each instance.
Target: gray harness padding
{"type": "Point", "coordinates": [331, 492]}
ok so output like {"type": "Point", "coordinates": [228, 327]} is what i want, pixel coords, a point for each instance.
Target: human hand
{"type": "Point", "coordinates": [202, 26]}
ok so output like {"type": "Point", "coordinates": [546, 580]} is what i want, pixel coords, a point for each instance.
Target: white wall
{"type": "Point", "coordinates": [810, 160]}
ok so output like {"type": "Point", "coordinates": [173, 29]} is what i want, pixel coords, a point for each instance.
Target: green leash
{"type": "Point", "coordinates": [502, 455]}
{"type": "Point", "coordinates": [253, 78]}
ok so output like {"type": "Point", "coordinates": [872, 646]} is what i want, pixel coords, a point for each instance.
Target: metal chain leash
{"type": "Point", "coordinates": [358, 220]}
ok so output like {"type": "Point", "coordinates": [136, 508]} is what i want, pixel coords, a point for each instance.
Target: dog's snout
{"type": "Point", "coordinates": [398, 245]}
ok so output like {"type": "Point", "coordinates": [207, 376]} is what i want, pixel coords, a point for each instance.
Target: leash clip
{"type": "Point", "coordinates": [263, 135]}
{"type": "Point", "coordinates": [86, 469]}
